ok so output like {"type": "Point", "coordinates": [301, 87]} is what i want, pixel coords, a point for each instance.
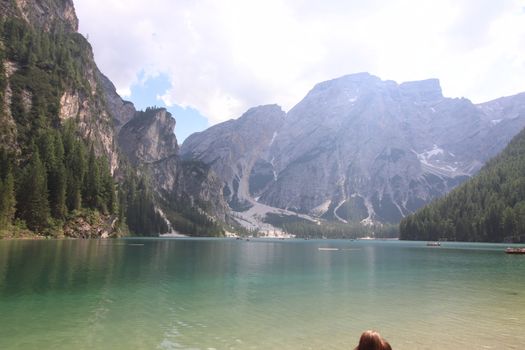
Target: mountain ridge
{"type": "Point", "coordinates": [360, 148]}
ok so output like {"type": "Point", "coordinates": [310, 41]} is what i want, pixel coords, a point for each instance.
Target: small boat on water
{"type": "Point", "coordinates": [433, 244]}
{"type": "Point", "coordinates": [515, 250]}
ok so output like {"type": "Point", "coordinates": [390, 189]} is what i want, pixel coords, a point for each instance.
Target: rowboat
{"type": "Point", "coordinates": [515, 250]}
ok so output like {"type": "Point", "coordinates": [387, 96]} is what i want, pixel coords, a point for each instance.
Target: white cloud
{"type": "Point", "coordinates": [224, 56]}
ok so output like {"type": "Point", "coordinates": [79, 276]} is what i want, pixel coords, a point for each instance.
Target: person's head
{"type": "Point", "coordinates": [386, 345]}
{"type": "Point", "coordinates": [370, 340]}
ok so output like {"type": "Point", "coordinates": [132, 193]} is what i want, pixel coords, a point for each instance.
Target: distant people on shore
{"type": "Point", "coordinates": [371, 340]}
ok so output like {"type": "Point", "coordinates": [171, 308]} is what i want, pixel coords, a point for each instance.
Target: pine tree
{"type": "Point", "coordinates": [122, 206]}
{"type": "Point", "coordinates": [52, 153]}
{"type": "Point", "coordinates": [32, 202]}
{"type": "Point", "coordinates": [7, 200]}
{"type": "Point", "coordinates": [59, 180]}
{"type": "Point", "coordinates": [108, 198]}
{"type": "Point", "coordinates": [75, 165]}
{"type": "Point", "coordinates": [93, 184]}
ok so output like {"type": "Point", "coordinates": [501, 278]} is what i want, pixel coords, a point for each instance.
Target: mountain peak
{"type": "Point", "coordinates": [149, 136]}
{"type": "Point", "coordinates": [426, 90]}
{"type": "Point", "coordinates": [262, 113]}
{"type": "Point", "coordinates": [351, 80]}
{"type": "Point", "coordinates": [352, 87]}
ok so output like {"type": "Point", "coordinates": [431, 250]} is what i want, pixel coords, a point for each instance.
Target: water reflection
{"type": "Point", "coordinates": [224, 294]}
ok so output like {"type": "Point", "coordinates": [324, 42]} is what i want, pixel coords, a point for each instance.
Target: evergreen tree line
{"type": "Point", "coordinates": [62, 54]}
{"type": "Point", "coordinates": [51, 173]}
{"type": "Point", "coordinates": [62, 178]}
{"type": "Point", "coordinates": [46, 64]}
{"type": "Point", "coordinates": [303, 228]}
{"type": "Point", "coordinates": [187, 219]}
{"type": "Point", "coordinates": [59, 177]}
{"type": "Point", "coordinates": [138, 203]}
{"type": "Point", "coordinates": [488, 208]}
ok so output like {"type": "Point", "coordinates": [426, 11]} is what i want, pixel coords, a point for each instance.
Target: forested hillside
{"type": "Point", "coordinates": [77, 160]}
{"type": "Point", "coordinates": [50, 172]}
{"type": "Point", "coordinates": [488, 208]}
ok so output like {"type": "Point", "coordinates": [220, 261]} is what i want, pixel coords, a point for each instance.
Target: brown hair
{"type": "Point", "coordinates": [370, 340]}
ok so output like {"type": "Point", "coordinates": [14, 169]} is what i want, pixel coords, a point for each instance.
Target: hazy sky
{"type": "Point", "coordinates": [220, 57]}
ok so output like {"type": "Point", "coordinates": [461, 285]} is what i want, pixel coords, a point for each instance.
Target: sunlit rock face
{"type": "Point", "coordinates": [148, 140]}
{"type": "Point", "coordinates": [236, 149]}
{"type": "Point", "coordinates": [358, 148]}
{"type": "Point", "coordinates": [149, 136]}
{"type": "Point", "coordinates": [43, 15]}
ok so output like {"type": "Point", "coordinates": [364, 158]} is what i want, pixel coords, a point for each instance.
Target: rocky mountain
{"type": "Point", "coordinates": [148, 141]}
{"type": "Point", "coordinates": [51, 87]}
{"type": "Point", "coordinates": [358, 148]}
{"type": "Point", "coordinates": [45, 15]}
{"type": "Point", "coordinates": [236, 149]}
{"type": "Point", "coordinates": [490, 207]}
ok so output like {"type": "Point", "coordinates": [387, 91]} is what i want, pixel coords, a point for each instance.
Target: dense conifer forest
{"type": "Point", "coordinates": [303, 228]}
{"type": "Point", "coordinates": [49, 174]}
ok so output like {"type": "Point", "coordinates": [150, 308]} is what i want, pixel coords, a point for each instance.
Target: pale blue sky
{"type": "Point", "coordinates": [145, 93]}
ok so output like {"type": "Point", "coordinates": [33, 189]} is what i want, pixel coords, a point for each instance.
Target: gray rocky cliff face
{"type": "Point", "coordinates": [8, 131]}
{"type": "Point", "coordinates": [91, 114]}
{"type": "Point", "coordinates": [505, 115]}
{"type": "Point", "coordinates": [149, 141]}
{"type": "Point", "coordinates": [149, 137]}
{"type": "Point", "coordinates": [120, 110]}
{"type": "Point", "coordinates": [236, 149]}
{"type": "Point", "coordinates": [42, 14]}
{"type": "Point", "coordinates": [358, 148]}
{"type": "Point", "coordinates": [82, 104]}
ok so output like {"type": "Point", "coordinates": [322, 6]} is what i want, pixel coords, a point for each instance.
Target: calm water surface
{"type": "Point", "coordinates": [229, 294]}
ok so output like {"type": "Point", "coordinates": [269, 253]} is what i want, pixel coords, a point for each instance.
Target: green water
{"type": "Point", "coordinates": [229, 294]}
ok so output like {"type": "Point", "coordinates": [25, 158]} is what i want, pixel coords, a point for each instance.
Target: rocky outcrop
{"type": "Point", "coordinates": [149, 142]}
{"type": "Point", "coordinates": [8, 132]}
{"type": "Point", "coordinates": [149, 137]}
{"type": "Point", "coordinates": [191, 183]}
{"type": "Point", "coordinates": [358, 148]}
{"type": "Point", "coordinates": [92, 117]}
{"type": "Point", "coordinates": [121, 111]}
{"type": "Point", "coordinates": [43, 14]}
{"type": "Point", "coordinates": [237, 150]}
{"type": "Point", "coordinates": [79, 101]}
{"type": "Point", "coordinates": [92, 225]}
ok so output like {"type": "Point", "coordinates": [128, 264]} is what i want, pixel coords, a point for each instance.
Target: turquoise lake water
{"type": "Point", "coordinates": [258, 294]}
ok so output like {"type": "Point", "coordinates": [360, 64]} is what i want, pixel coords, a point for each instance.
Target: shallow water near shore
{"type": "Point", "coordinates": [258, 294]}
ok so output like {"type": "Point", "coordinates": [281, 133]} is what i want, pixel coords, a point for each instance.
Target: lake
{"type": "Point", "coordinates": [258, 294]}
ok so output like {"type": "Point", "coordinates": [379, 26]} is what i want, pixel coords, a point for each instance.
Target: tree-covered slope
{"type": "Point", "coordinates": [55, 167]}
{"type": "Point", "coordinates": [488, 208]}
{"type": "Point", "coordinates": [62, 169]}
{"type": "Point", "coordinates": [49, 172]}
